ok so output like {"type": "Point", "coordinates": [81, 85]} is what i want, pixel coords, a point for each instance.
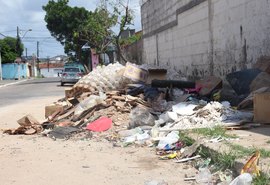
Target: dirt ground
{"type": "Point", "coordinates": [39, 160]}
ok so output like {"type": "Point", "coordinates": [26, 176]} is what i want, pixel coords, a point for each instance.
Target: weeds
{"type": "Point", "coordinates": [185, 139]}
{"type": "Point", "coordinates": [263, 179]}
{"type": "Point", "coordinates": [220, 161]}
{"type": "Point", "coordinates": [243, 151]}
{"type": "Point", "coordinates": [214, 132]}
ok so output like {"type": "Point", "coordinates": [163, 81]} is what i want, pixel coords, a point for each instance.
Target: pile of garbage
{"type": "Point", "coordinates": [135, 104]}
{"type": "Point", "coordinates": [150, 106]}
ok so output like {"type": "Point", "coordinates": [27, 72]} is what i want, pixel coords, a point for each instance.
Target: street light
{"type": "Point", "coordinates": [25, 32]}
{"type": "Point", "coordinates": [20, 38]}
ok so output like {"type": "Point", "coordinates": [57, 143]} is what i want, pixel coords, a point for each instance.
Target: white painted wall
{"type": "Point", "coordinates": [52, 72]}
{"type": "Point", "coordinates": [240, 32]}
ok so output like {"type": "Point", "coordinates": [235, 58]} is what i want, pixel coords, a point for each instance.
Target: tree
{"type": "Point", "coordinates": [73, 26]}
{"type": "Point", "coordinates": [120, 11]}
{"type": "Point", "coordinates": [9, 49]}
{"type": "Point", "coordinates": [65, 22]}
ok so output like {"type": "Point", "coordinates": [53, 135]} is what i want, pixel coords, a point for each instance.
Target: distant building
{"type": "Point", "coordinates": [127, 33]}
{"type": "Point", "coordinates": [52, 67]}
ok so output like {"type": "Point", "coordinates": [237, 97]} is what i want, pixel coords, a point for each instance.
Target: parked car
{"type": "Point", "coordinates": [71, 75]}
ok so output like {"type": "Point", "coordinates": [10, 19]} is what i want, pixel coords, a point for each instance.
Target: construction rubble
{"type": "Point", "coordinates": [146, 106]}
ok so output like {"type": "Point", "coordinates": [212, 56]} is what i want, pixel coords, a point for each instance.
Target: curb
{"type": "Point", "coordinates": [13, 83]}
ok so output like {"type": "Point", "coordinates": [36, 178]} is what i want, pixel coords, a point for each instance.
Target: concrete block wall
{"type": "Point", "coordinates": [208, 37]}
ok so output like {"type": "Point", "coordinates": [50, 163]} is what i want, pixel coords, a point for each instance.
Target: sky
{"type": "Point", "coordinates": [28, 14]}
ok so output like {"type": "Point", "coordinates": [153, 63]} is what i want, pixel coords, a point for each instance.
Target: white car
{"type": "Point", "coordinates": [71, 75]}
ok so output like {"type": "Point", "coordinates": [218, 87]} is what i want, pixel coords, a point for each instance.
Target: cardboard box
{"type": "Point", "coordinates": [156, 74]}
{"type": "Point", "coordinates": [208, 85]}
{"type": "Point", "coordinates": [50, 109]}
{"type": "Point", "coordinates": [135, 73]}
{"type": "Point", "coordinates": [261, 108]}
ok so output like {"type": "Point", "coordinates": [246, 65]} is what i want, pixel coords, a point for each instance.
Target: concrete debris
{"type": "Point", "coordinates": [213, 114]}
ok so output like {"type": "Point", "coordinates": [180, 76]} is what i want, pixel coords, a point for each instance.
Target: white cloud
{"type": "Point", "coordinates": [28, 14]}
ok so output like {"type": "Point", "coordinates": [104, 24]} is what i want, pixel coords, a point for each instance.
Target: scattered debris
{"type": "Point", "coordinates": [138, 105]}
{"type": "Point", "coordinates": [100, 125]}
{"type": "Point", "coordinates": [156, 182]}
{"type": "Point", "coordinates": [243, 179]}
{"type": "Point", "coordinates": [62, 132]}
{"type": "Point", "coordinates": [187, 159]}
{"type": "Point", "coordinates": [252, 165]}
{"type": "Point", "coordinates": [241, 80]}
{"type": "Point", "coordinates": [28, 126]}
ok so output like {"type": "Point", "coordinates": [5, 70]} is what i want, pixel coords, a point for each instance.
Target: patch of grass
{"type": "Point", "coordinates": [243, 151]}
{"type": "Point", "coordinates": [214, 132]}
{"type": "Point", "coordinates": [187, 140]}
{"type": "Point", "coordinates": [263, 179]}
{"type": "Point", "coordinates": [220, 161]}
{"type": "Point", "coordinates": [268, 142]}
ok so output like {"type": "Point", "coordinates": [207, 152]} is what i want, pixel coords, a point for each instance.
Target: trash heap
{"type": "Point", "coordinates": [135, 104]}
{"type": "Point", "coordinates": [150, 106]}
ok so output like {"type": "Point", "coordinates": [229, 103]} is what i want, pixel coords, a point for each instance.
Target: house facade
{"type": "Point", "coordinates": [205, 37]}
{"type": "Point", "coordinates": [52, 67]}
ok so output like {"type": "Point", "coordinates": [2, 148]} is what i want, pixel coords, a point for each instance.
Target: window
{"type": "Point", "coordinates": [72, 70]}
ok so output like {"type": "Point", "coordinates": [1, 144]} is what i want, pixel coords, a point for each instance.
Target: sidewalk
{"type": "Point", "coordinates": [4, 83]}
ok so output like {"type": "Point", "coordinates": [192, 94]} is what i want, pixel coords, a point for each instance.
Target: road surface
{"type": "Point", "coordinates": [40, 160]}
{"type": "Point", "coordinates": [31, 89]}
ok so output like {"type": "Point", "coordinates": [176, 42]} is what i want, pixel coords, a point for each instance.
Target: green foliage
{"type": "Point", "coordinates": [8, 47]}
{"type": "Point", "coordinates": [130, 40]}
{"type": "Point", "coordinates": [74, 26]}
{"type": "Point", "coordinates": [65, 23]}
{"type": "Point", "coordinates": [213, 132]}
{"type": "Point", "coordinates": [243, 151]}
{"type": "Point", "coordinates": [263, 179]}
{"type": "Point", "coordinates": [186, 139]}
{"type": "Point", "coordinates": [221, 161]}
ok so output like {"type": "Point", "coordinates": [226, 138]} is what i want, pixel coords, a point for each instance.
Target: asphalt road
{"type": "Point", "coordinates": [30, 89]}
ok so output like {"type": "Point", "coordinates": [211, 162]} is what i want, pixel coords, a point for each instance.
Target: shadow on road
{"type": "Point", "coordinates": [71, 85]}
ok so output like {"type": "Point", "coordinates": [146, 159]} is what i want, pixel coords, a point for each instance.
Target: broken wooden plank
{"type": "Point", "coordinates": [71, 111]}
{"type": "Point", "coordinates": [121, 98]}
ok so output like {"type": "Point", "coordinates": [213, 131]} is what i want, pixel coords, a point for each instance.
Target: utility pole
{"type": "Point", "coordinates": [48, 63]}
{"type": "Point", "coordinates": [38, 70]}
{"type": "Point", "coordinates": [26, 53]}
{"type": "Point", "coordinates": [37, 48]}
{"type": "Point", "coordinates": [18, 43]}
{"type": "Point", "coordinates": [1, 78]}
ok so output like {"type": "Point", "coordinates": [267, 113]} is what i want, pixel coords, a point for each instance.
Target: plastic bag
{"type": "Point", "coordinates": [89, 102]}
{"type": "Point", "coordinates": [244, 179]}
{"type": "Point", "coordinates": [204, 177]}
{"type": "Point", "coordinates": [169, 140]}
